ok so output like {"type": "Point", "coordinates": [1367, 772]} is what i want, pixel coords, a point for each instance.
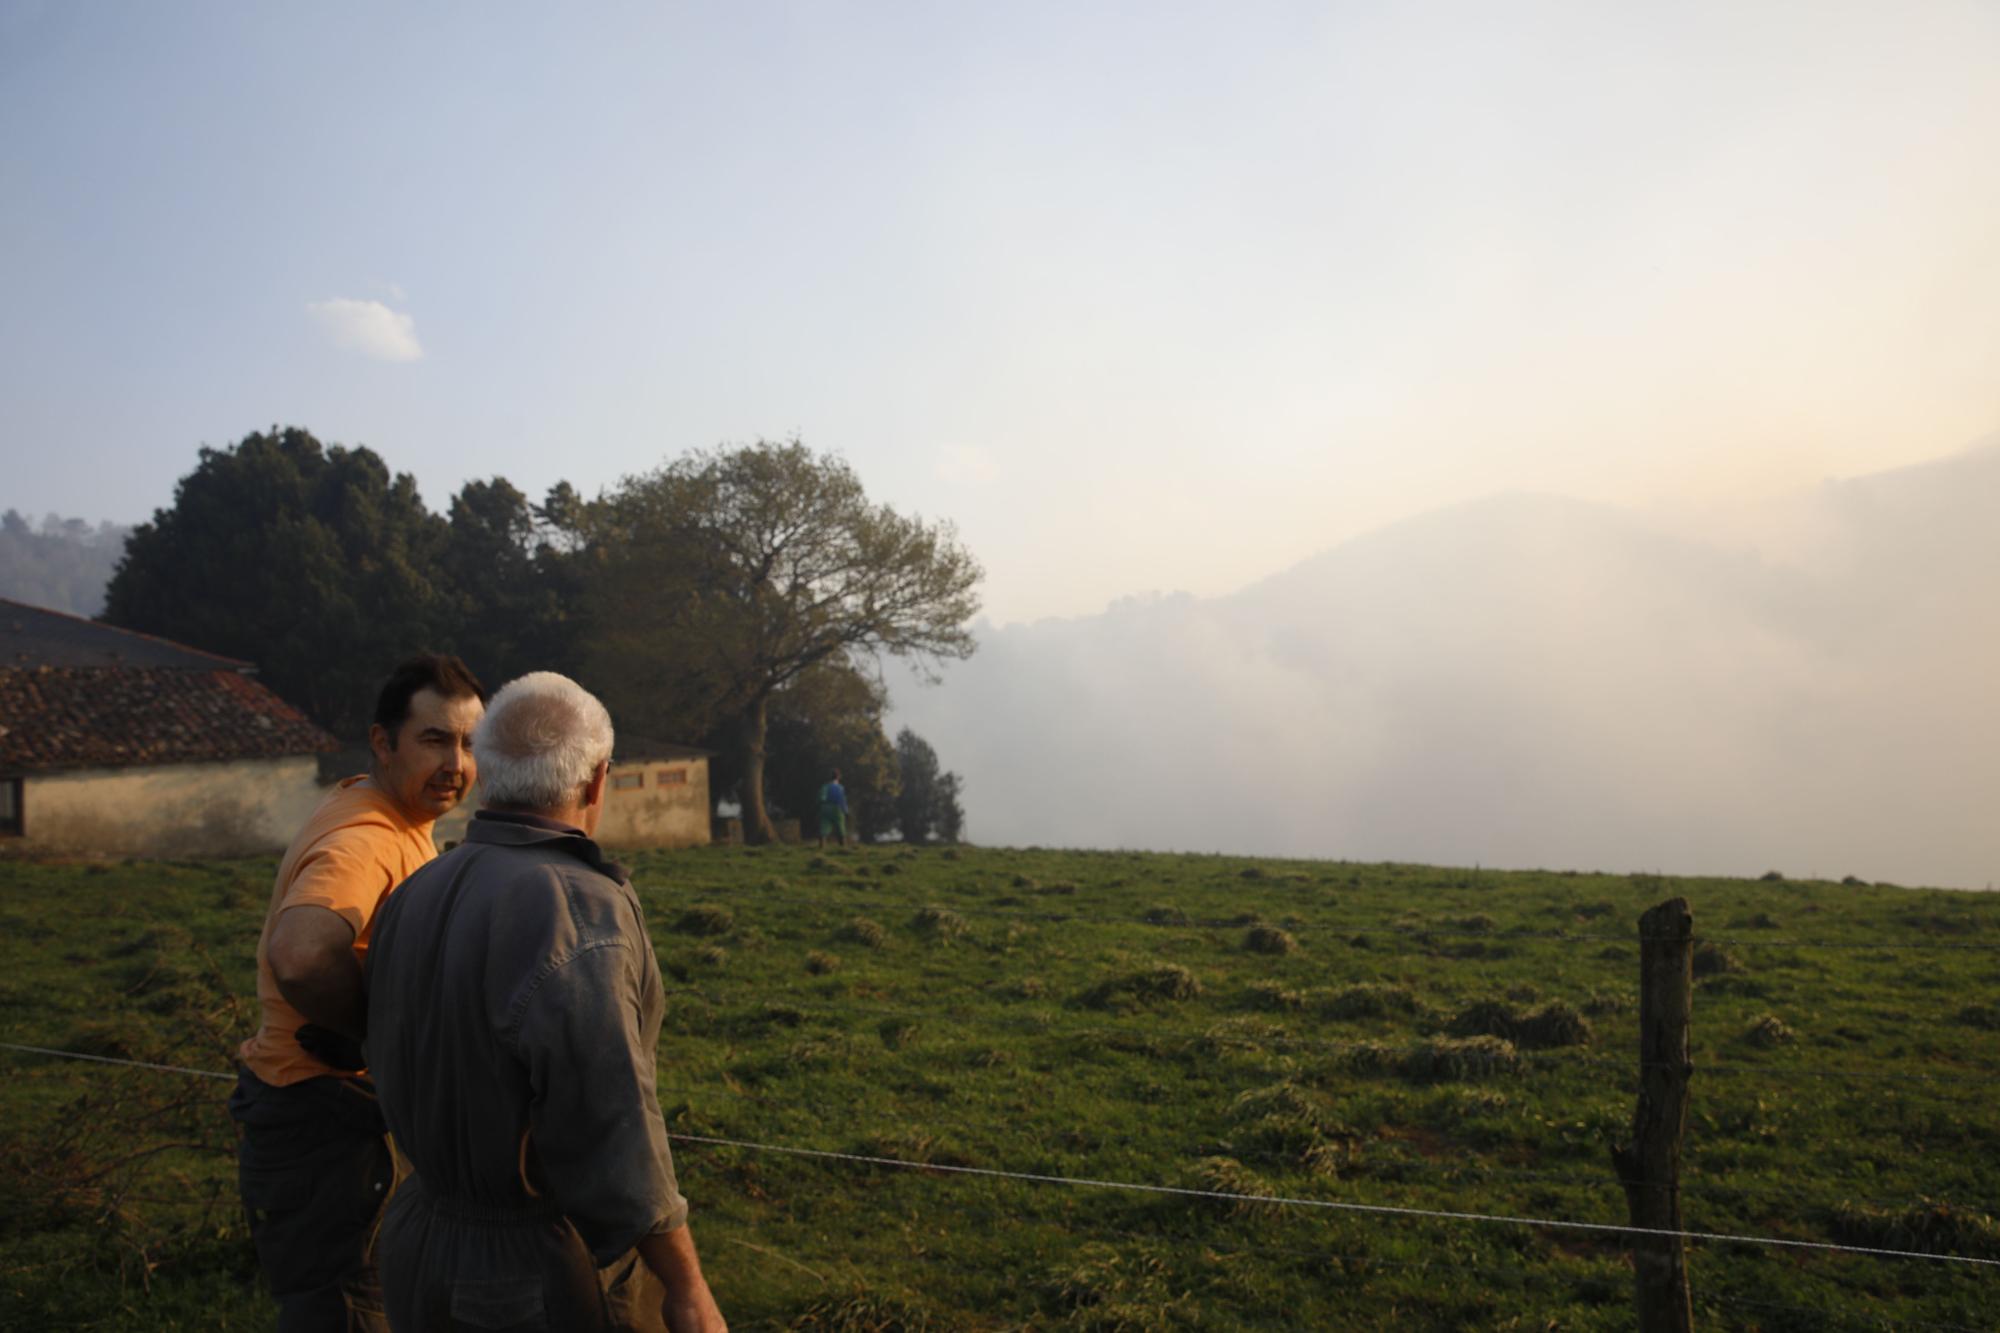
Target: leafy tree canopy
{"type": "Point", "coordinates": [716, 581]}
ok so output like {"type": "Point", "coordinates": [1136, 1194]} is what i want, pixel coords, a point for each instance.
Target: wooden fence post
{"type": "Point", "coordinates": [1649, 1167]}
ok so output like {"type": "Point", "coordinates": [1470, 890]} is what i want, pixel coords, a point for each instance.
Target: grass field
{"type": "Point", "coordinates": [1382, 1034]}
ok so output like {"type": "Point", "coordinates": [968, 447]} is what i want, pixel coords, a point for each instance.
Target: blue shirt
{"type": "Point", "coordinates": [833, 794]}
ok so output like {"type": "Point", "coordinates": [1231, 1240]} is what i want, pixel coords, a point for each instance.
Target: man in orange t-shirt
{"type": "Point", "coordinates": [314, 1164]}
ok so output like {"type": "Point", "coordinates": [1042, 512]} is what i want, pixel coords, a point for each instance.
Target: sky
{"type": "Point", "coordinates": [1141, 297]}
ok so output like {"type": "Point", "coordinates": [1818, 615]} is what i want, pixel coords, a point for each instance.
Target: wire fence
{"type": "Point", "coordinates": [1377, 928]}
{"type": "Point", "coordinates": [1231, 1197]}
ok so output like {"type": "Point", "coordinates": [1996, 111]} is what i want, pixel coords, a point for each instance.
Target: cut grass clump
{"type": "Point", "coordinates": [1161, 915]}
{"type": "Point", "coordinates": [1162, 981]}
{"type": "Point", "coordinates": [1370, 999]}
{"type": "Point", "coordinates": [1283, 1123]}
{"type": "Point", "coordinates": [819, 962]}
{"type": "Point", "coordinates": [1768, 1030]}
{"type": "Point", "coordinates": [1934, 1226]}
{"type": "Point", "coordinates": [1983, 1016]}
{"type": "Point", "coordinates": [1438, 1060]}
{"type": "Point", "coordinates": [940, 925]}
{"type": "Point", "coordinates": [1272, 995]}
{"type": "Point", "coordinates": [1547, 1027]}
{"type": "Point", "coordinates": [1269, 940]}
{"type": "Point", "coordinates": [1226, 1175]}
{"type": "Point", "coordinates": [705, 919]}
{"type": "Point", "coordinates": [866, 1312]}
{"type": "Point", "coordinates": [862, 931]}
{"type": "Point", "coordinates": [1712, 960]}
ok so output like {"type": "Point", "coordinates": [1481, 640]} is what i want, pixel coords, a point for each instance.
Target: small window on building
{"type": "Point", "coordinates": [10, 807]}
{"type": "Point", "coordinates": [627, 781]}
{"type": "Point", "coordinates": [671, 777]}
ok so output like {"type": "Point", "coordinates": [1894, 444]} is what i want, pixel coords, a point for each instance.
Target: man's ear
{"type": "Point", "coordinates": [593, 790]}
{"type": "Point", "coordinates": [380, 742]}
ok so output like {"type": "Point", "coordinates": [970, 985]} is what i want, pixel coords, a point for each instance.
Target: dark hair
{"type": "Point", "coordinates": [426, 671]}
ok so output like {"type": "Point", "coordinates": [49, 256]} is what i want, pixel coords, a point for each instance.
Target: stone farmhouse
{"type": "Point", "coordinates": [114, 743]}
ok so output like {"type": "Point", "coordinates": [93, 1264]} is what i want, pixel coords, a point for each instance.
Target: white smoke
{"type": "Point", "coordinates": [1528, 681]}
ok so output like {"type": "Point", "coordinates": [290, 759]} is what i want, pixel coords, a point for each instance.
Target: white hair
{"type": "Point", "coordinates": [541, 740]}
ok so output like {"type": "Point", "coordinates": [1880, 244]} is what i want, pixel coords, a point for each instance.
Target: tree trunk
{"type": "Point", "coordinates": [1649, 1165]}
{"type": "Point", "coordinates": [756, 819]}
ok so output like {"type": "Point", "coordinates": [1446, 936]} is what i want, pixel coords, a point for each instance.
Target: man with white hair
{"type": "Point", "coordinates": [514, 1009]}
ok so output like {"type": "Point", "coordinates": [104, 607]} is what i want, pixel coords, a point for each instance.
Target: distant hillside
{"type": "Point", "coordinates": [60, 563]}
{"type": "Point", "coordinates": [1531, 681]}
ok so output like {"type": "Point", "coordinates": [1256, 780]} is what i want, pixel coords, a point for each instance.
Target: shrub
{"type": "Point", "coordinates": [705, 919]}
{"type": "Point", "coordinates": [1771, 877]}
{"type": "Point", "coordinates": [1269, 939]}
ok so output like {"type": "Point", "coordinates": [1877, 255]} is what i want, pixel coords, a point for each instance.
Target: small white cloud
{"type": "Point", "coordinates": [395, 289]}
{"type": "Point", "coordinates": [367, 327]}
{"type": "Point", "coordinates": [967, 465]}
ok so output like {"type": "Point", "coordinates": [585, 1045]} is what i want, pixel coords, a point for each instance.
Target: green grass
{"type": "Point", "coordinates": [1384, 1034]}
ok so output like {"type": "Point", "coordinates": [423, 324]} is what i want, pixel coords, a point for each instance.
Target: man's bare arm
{"type": "Point", "coordinates": [311, 952]}
{"type": "Point", "coordinates": [690, 1306]}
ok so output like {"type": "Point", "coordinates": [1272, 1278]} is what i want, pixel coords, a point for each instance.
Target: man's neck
{"type": "Point", "coordinates": [572, 815]}
{"type": "Point", "coordinates": [419, 820]}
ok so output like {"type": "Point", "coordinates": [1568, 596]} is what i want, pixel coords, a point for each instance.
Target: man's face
{"type": "Point", "coordinates": [426, 767]}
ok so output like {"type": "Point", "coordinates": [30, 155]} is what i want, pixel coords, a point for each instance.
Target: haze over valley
{"type": "Point", "coordinates": [1529, 681]}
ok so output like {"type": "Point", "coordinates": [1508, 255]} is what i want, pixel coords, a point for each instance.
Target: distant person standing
{"type": "Point", "coordinates": [313, 1163]}
{"type": "Point", "coordinates": [833, 810]}
{"type": "Point", "coordinates": [514, 1010]}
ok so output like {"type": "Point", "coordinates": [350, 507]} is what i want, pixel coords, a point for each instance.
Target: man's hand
{"type": "Point", "coordinates": [693, 1312]}
{"type": "Point", "coordinates": [335, 1050]}
{"type": "Point", "coordinates": [690, 1306]}
{"type": "Point", "coordinates": [311, 952]}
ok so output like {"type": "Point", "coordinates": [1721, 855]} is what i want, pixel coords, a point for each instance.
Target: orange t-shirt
{"type": "Point", "coordinates": [356, 848]}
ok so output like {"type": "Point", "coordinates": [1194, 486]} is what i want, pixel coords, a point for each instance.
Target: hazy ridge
{"type": "Point", "coordinates": [1532, 681]}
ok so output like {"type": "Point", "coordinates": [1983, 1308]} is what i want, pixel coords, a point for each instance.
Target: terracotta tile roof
{"type": "Point", "coordinates": [55, 717]}
{"type": "Point", "coordinates": [34, 636]}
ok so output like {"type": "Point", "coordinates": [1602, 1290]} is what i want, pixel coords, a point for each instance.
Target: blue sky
{"type": "Point", "coordinates": [1146, 296]}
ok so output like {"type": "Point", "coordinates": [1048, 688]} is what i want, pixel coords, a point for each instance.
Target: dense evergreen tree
{"type": "Point", "coordinates": [312, 561]}
{"type": "Point", "coordinates": [829, 718]}
{"type": "Point", "coordinates": [927, 805]}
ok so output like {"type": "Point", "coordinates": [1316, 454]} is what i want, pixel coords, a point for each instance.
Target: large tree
{"type": "Point", "coordinates": [502, 602]}
{"type": "Point", "coordinates": [829, 718]}
{"type": "Point", "coordinates": [312, 561]}
{"type": "Point", "coordinates": [716, 581]}
{"type": "Point", "coordinates": [927, 801]}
